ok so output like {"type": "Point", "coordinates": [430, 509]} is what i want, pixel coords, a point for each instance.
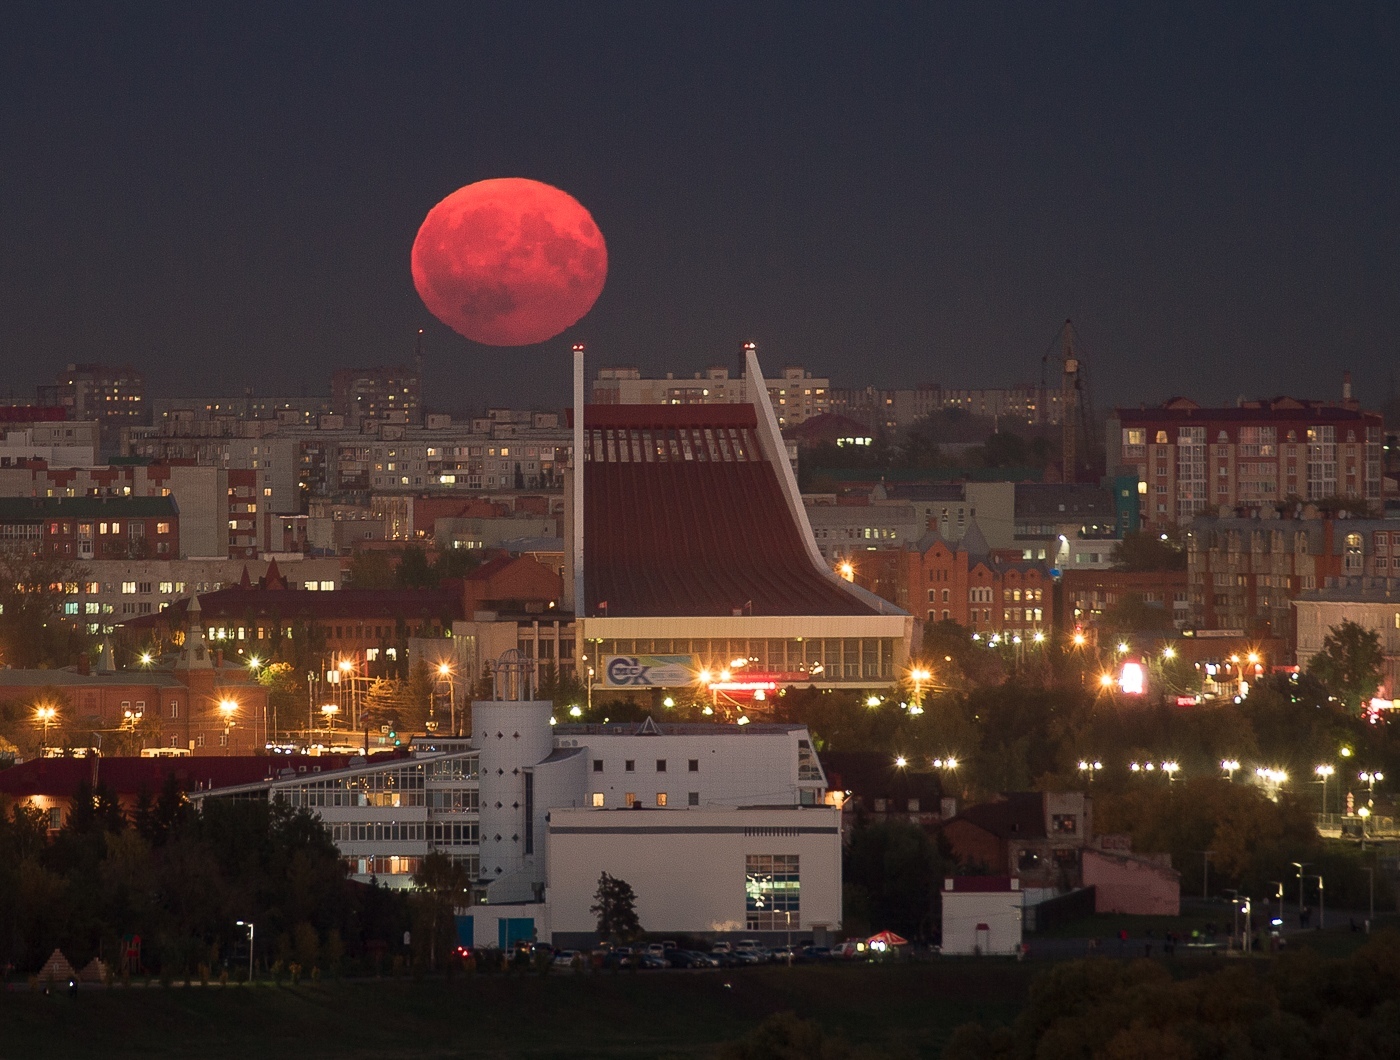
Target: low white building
{"type": "Point", "coordinates": [764, 872]}
{"type": "Point", "coordinates": [982, 915]}
{"type": "Point", "coordinates": [719, 828]}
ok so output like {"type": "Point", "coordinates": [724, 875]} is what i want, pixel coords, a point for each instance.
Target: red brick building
{"type": "Point", "coordinates": [1191, 460]}
{"type": "Point", "coordinates": [93, 527]}
{"type": "Point", "coordinates": [989, 591]}
{"type": "Point", "coordinates": [511, 583]}
{"type": "Point", "coordinates": [1084, 595]}
{"type": "Point", "coordinates": [204, 704]}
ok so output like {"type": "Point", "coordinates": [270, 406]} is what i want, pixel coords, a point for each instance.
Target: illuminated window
{"type": "Point", "coordinates": [772, 891]}
{"type": "Point", "coordinates": [597, 800]}
{"type": "Point", "coordinates": [661, 798]}
{"type": "Point", "coordinates": [631, 799]}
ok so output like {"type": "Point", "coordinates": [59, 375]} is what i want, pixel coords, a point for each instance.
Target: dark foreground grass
{"type": "Point", "coordinates": [680, 1015]}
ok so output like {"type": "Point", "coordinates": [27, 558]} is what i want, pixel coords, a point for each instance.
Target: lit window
{"type": "Point", "coordinates": [597, 800]}
{"type": "Point", "coordinates": [661, 798]}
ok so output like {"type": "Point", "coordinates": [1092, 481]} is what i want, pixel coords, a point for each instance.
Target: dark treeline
{"type": "Point", "coordinates": [180, 878]}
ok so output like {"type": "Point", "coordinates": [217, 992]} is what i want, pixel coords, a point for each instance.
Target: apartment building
{"type": "Point", "coordinates": [1191, 460]}
{"type": "Point", "coordinates": [796, 395]}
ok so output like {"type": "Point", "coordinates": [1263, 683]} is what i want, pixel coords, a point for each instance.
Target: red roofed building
{"type": "Point", "coordinates": [511, 583]}
{"type": "Point", "coordinates": [49, 784]}
{"type": "Point", "coordinates": [695, 543]}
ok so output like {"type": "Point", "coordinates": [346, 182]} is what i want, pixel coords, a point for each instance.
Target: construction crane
{"type": "Point", "coordinates": [1076, 405]}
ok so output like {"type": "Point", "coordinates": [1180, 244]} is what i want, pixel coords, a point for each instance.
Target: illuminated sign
{"type": "Point", "coordinates": [648, 671]}
{"type": "Point", "coordinates": [1133, 680]}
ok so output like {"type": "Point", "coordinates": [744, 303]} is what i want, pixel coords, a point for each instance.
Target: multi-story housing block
{"type": "Point", "coordinates": [1245, 573]}
{"type": "Point", "coordinates": [1190, 460]}
{"type": "Point", "coordinates": [796, 395]}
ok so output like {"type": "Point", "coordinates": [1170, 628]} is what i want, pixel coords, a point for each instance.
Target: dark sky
{"type": "Point", "coordinates": [225, 194]}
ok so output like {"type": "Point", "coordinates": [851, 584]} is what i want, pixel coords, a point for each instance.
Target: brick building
{"type": "Point", "coordinates": [987, 590]}
{"type": "Point", "coordinates": [1084, 595]}
{"type": "Point", "coordinates": [81, 528]}
{"type": "Point", "coordinates": [1191, 460]}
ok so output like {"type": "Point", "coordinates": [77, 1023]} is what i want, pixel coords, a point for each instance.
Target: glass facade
{"type": "Point", "coordinates": [852, 659]}
{"type": "Point", "coordinates": [773, 892]}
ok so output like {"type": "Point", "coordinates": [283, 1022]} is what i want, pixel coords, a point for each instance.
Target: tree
{"type": "Point", "coordinates": [414, 571]}
{"type": "Point", "coordinates": [895, 869]}
{"type": "Point", "coordinates": [1349, 664]}
{"type": "Point", "coordinates": [442, 884]}
{"type": "Point", "coordinates": [615, 906]}
{"type": "Point", "coordinates": [34, 632]}
{"type": "Point", "coordinates": [370, 570]}
{"type": "Point", "coordinates": [286, 695]}
{"type": "Point", "coordinates": [1143, 551]}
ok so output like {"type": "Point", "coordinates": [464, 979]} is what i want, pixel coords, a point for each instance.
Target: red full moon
{"type": "Point", "coordinates": [509, 262]}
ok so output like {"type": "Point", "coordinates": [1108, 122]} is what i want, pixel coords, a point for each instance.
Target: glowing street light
{"type": "Point", "coordinates": [228, 707]}
{"type": "Point", "coordinates": [45, 716]}
{"type": "Point", "coordinates": [1168, 652]}
{"type": "Point", "coordinates": [1323, 772]}
{"type": "Point", "coordinates": [872, 701]}
{"type": "Point", "coordinates": [900, 761]}
{"type": "Point", "coordinates": [1078, 639]}
{"type": "Point", "coordinates": [1170, 769]}
{"type": "Point", "coordinates": [1122, 647]}
{"type": "Point", "coordinates": [945, 763]}
{"type": "Point", "coordinates": [1105, 680]}
{"type": "Point", "coordinates": [576, 711]}
{"type": "Point", "coordinates": [147, 658]}
{"type": "Point", "coordinates": [1230, 765]}
{"type": "Point", "coordinates": [1090, 768]}
{"type": "Point", "coordinates": [254, 663]}
{"type": "Point", "coordinates": [846, 570]}
{"type": "Point", "coordinates": [1370, 780]}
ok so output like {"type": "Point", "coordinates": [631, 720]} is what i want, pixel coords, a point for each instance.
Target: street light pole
{"type": "Point", "coordinates": [1300, 866]}
{"type": "Point", "coordinates": [1205, 874]}
{"type": "Point", "coordinates": [1321, 905]}
{"type": "Point", "coordinates": [249, 925]}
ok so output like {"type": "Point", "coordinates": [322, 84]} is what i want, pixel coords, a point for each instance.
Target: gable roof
{"type": "Point", "coordinates": [1019, 813]}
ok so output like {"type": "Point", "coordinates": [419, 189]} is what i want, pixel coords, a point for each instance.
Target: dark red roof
{"type": "Point", "coordinates": [685, 517]}
{"type": "Point", "coordinates": [293, 604]}
{"type": "Point", "coordinates": [1020, 814]}
{"type": "Point", "coordinates": [60, 777]}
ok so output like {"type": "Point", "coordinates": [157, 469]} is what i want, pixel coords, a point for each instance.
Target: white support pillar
{"type": "Point", "coordinates": [577, 543]}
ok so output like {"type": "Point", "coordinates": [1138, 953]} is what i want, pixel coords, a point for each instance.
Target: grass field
{"type": "Point", "coordinates": [915, 1005]}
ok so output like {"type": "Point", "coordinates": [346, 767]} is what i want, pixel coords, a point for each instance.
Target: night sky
{"type": "Point", "coordinates": [225, 194]}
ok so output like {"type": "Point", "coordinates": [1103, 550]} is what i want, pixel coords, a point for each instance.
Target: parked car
{"type": "Point", "coordinates": [565, 958]}
{"type": "Point", "coordinates": [849, 950]}
{"type": "Point", "coordinates": [815, 953]}
{"type": "Point", "coordinates": [657, 948]}
{"type": "Point", "coordinates": [691, 959]}
{"type": "Point", "coordinates": [652, 960]}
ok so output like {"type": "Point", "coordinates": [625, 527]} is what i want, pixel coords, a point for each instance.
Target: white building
{"type": "Point", "coordinates": [734, 834]}
{"type": "Point", "coordinates": [982, 915]}
{"type": "Point", "coordinates": [796, 395]}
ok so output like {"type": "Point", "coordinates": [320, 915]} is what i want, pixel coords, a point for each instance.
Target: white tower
{"type": "Point", "coordinates": [512, 733]}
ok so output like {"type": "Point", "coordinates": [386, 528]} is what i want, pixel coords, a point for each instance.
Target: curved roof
{"type": "Point", "coordinates": [685, 516]}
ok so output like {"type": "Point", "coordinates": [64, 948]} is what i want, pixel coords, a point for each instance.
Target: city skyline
{"type": "Point", "coordinates": [226, 198]}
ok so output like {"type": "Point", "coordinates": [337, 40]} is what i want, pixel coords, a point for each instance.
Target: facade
{"type": "Point", "coordinates": [199, 705]}
{"type": "Point", "coordinates": [968, 583]}
{"type": "Point", "coordinates": [57, 443]}
{"type": "Point", "coordinates": [696, 547]}
{"type": "Point", "coordinates": [1191, 460]}
{"type": "Point", "coordinates": [119, 590]}
{"type": "Point", "coordinates": [1037, 837]}
{"type": "Point", "coordinates": [536, 811]}
{"type": "Point", "coordinates": [982, 915]}
{"type": "Point", "coordinates": [1370, 602]}
{"type": "Point", "coordinates": [769, 874]}
{"type": "Point", "coordinates": [1074, 526]}
{"type": "Point", "coordinates": [83, 528]}
{"type": "Point", "coordinates": [899, 409]}
{"type": "Point", "coordinates": [846, 530]}
{"type": "Point", "coordinates": [1135, 884]}
{"type": "Point", "coordinates": [1246, 572]}
{"type": "Point", "coordinates": [103, 392]}
{"type": "Point", "coordinates": [796, 395]}
{"type": "Point", "coordinates": [392, 393]}
{"type": "Point", "coordinates": [1084, 595]}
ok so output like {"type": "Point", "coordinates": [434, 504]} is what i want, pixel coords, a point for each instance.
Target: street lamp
{"type": "Point", "coordinates": [228, 707]}
{"type": "Point", "coordinates": [45, 715]}
{"type": "Point", "coordinates": [1323, 772]}
{"type": "Point", "coordinates": [1085, 766]}
{"type": "Point", "coordinates": [1364, 812]}
{"type": "Point", "coordinates": [1370, 780]}
{"type": "Point", "coordinates": [1300, 866]}
{"type": "Point", "coordinates": [444, 671]}
{"type": "Point", "coordinates": [1230, 765]}
{"type": "Point", "coordinates": [1321, 905]}
{"type": "Point", "coordinates": [329, 711]}
{"type": "Point", "coordinates": [1170, 769]}
{"type": "Point", "coordinates": [249, 925]}
{"type": "Point", "coordinates": [919, 675]}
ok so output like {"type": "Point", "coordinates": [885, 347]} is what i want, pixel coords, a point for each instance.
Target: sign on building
{"type": "Point", "coordinates": [648, 671]}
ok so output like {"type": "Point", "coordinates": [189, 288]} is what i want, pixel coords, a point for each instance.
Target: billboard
{"type": "Point", "coordinates": [648, 671]}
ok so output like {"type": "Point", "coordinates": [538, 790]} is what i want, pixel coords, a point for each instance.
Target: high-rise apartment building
{"type": "Point", "coordinates": [393, 393]}
{"type": "Point", "coordinates": [1191, 460]}
{"type": "Point", "coordinates": [894, 410]}
{"type": "Point", "coordinates": [797, 395]}
{"type": "Point", "coordinates": [102, 392]}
